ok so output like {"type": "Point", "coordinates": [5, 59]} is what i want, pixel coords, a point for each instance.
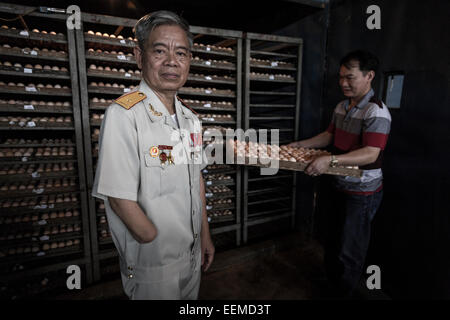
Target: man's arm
{"type": "Point", "coordinates": [320, 141]}
{"type": "Point", "coordinates": [207, 245]}
{"type": "Point", "coordinates": [137, 222]}
{"type": "Point", "coordinates": [358, 157]}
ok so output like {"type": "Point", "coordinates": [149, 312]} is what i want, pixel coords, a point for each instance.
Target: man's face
{"type": "Point", "coordinates": [353, 82]}
{"type": "Point", "coordinates": [166, 59]}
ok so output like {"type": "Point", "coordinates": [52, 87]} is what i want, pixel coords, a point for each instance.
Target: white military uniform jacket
{"type": "Point", "coordinates": [130, 166]}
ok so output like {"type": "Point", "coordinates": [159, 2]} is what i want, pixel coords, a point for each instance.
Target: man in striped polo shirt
{"type": "Point", "coordinates": [358, 133]}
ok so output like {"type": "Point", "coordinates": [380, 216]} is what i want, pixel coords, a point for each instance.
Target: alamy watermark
{"type": "Point", "coordinates": [225, 146]}
{"type": "Point", "coordinates": [374, 20]}
{"type": "Point", "coordinates": [374, 280]}
{"type": "Point", "coordinates": [74, 280]}
{"type": "Point", "coordinates": [74, 19]}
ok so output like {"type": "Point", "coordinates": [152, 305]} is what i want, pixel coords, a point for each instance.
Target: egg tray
{"type": "Point", "coordinates": [43, 191]}
{"type": "Point", "coordinates": [272, 65]}
{"type": "Point", "coordinates": [45, 91]}
{"type": "Point", "coordinates": [298, 166]}
{"type": "Point", "coordinates": [111, 57]}
{"type": "Point", "coordinates": [27, 159]}
{"type": "Point", "coordinates": [16, 143]}
{"type": "Point", "coordinates": [219, 168]}
{"type": "Point", "coordinates": [14, 211]}
{"type": "Point", "coordinates": [38, 225]}
{"type": "Point", "coordinates": [41, 254]}
{"type": "Point", "coordinates": [205, 105]}
{"type": "Point", "coordinates": [220, 206]}
{"type": "Point", "coordinates": [273, 78]}
{"type": "Point", "coordinates": [211, 79]}
{"type": "Point", "coordinates": [114, 75]}
{"type": "Point", "coordinates": [98, 106]}
{"type": "Point", "coordinates": [219, 195]}
{"type": "Point", "coordinates": [98, 40]}
{"type": "Point", "coordinates": [205, 119]}
{"type": "Point", "coordinates": [206, 129]}
{"type": "Point", "coordinates": [37, 176]}
{"type": "Point", "coordinates": [207, 49]}
{"type": "Point", "coordinates": [220, 217]}
{"type": "Point", "coordinates": [34, 36]}
{"type": "Point", "coordinates": [96, 122]}
{"type": "Point", "coordinates": [211, 65]}
{"type": "Point", "coordinates": [57, 74]}
{"type": "Point", "coordinates": [36, 54]}
{"type": "Point", "coordinates": [108, 90]}
{"type": "Point", "coordinates": [41, 239]}
{"type": "Point", "coordinates": [206, 92]}
{"type": "Point", "coordinates": [37, 125]}
{"type": "Point", "coordinates": [228, 182]}
{"type": "Point", "coordinates": [34, 108]}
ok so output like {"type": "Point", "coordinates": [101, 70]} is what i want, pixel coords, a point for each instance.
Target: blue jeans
{"type": "Point", "coordinates": [348, 239]}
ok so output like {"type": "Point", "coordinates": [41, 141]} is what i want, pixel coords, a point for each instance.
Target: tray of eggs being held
{"type": "Point", "coordinates": [288, 158]}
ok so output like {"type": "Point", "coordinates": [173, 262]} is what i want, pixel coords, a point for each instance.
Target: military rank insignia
{"type": "Point", "coordinates": [154, 152]}
{"type": "Point", "coordinates": [154, 112]}
{"type": "Point", "coordinates": [165, 155]}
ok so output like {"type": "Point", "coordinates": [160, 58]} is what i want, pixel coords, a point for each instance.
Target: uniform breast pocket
{"type": "Point", "coordinates": [158, 177]}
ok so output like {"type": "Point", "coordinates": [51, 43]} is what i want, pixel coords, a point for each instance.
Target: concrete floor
{"type": "Point", "coordinates": [284, 268]}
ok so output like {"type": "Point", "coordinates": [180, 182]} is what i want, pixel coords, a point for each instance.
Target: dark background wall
{"type": "Point", "coordinates": [411, 235]}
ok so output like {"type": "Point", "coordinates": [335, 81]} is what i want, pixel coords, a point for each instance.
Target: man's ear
{"type": "Point", "coordinates": [138, 56]}
{"type": "Point", "coordinates": [371, 75]}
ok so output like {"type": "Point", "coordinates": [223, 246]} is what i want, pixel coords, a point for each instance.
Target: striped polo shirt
{"type": "Point", "coordinates": [366, 124]}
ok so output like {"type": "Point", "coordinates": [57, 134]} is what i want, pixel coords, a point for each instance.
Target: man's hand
{"type": "Point", "coordinates": [318, 166]}
{"type": "Point", "coordinates": [207, 252]}
{"type": "Point", "coordinates": [294, 144]}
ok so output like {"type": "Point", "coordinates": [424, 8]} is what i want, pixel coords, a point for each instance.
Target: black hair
{"type": "Point", "coordinates": [367, 61]}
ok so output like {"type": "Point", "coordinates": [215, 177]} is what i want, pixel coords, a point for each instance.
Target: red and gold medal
{"type": "Point", "coordinates": [163, 155]}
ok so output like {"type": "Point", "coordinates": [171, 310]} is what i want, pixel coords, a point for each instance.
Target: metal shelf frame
{"type": "Point", "coordinates": [269, 48]}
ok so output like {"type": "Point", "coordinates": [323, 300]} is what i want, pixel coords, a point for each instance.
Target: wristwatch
{"type": "Point", "coordinates": [334, 161]}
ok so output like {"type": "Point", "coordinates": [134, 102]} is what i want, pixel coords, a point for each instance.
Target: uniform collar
{"type": "Point", "coordinates": [158, 112]}
{"type": "Point", "coordinates": [364, 101]}
{"type": "Point", "coordinates": [180, 109]}
{"type": "Point", "coordinates": [153, 105]}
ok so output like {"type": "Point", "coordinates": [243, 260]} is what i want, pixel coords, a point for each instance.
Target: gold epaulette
{"type": "Point", "coordinates": [130, 99]}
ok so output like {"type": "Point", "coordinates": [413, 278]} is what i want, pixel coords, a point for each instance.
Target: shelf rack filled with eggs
{"type": "Point", "coordinates": [272, 76]}
{"type": "Point", "coordinates": [214, 91]}
{"type": "Point", "coordinates": [43, 208]}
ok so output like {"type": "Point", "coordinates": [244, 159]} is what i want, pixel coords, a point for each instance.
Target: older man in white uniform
{"type": "Point", "coordinates": [149, 170]}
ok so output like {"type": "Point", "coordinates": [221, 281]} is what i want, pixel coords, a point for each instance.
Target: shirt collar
{"type": "Point", "coordinates": [364, 101]}
{"type": "Point", "coordinates": [152, 99]}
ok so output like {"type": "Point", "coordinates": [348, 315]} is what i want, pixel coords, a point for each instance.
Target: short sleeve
{"type": "Point", "coordinates": [376, 127]}
{"type": "Point", "coordinates": [117, 173]}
